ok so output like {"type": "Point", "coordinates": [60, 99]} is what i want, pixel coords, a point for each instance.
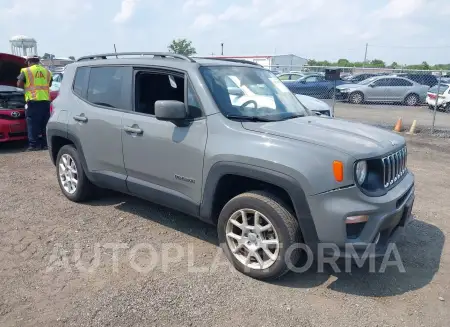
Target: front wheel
{"type": "Point", "coordinates": [259, 235]}
{"type": "Point", "coordinates": [356, 98]}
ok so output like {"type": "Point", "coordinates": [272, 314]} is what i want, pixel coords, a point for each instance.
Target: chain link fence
{"type": "Point", "coordinates": [383, 97]}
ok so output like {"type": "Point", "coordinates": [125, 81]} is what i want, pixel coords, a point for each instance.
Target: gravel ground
{"type": "Point", "coordinates": [387, 116]}
{"type": "Point", "coordinates": [48, 244]}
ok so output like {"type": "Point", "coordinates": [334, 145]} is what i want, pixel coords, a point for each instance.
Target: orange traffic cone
{"type": "Point", "coordinates": [398, 127]}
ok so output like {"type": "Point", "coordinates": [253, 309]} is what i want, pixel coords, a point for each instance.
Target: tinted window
{"type": "Point", "coordinates": [442, 89]}
{"type": "Point", "coordinates": [400, 82]}
{"type": "Point", "coordinates": [106, 87]}
{"type": "Point", "coordinates": [312, 79]}
{"type": "Point", "coordinates": [79, 85]}
{"type": "Point", "coordinates": [383, 82]}
{"type": "Point", "coordinates": [284, 77]}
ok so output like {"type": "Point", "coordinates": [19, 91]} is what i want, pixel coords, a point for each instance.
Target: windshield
{"type": "Point", "coordinates": [442, 89]}
{"type": "Point", "coordinates": [261, 94]}
{"type": "Point", "coordinates": [368, 81]}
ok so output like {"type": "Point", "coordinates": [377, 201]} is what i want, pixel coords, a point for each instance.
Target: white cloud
{"type": "Point", "coordinates": [396, 9]}
{"type": "Point", "coordinates": [127, 10]}
{"type": "Point", "coordinates": [204, 20]}
{"type": "Point", "coordinates": [195, 4]}
{"type": "Point", "coordinates": [235, 12]}
{"type": "Point", "coordinates": [64, 10]}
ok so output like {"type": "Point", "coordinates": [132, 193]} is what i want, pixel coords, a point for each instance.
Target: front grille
{"type": "Point", "coordinates": [394, 167]}
{"type": "Point", "coordinates": [9, 117]}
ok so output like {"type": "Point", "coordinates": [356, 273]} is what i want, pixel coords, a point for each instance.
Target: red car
{"type": "Point", "coordinates": [13, 126]}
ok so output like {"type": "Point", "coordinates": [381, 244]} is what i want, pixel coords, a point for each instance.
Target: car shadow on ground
{"type": "Point", "coordinates": [13, 147]}
{"type": "Point", "coordinates": [164, 216]}
{"type": "Point", "coordinates": [420, 251]}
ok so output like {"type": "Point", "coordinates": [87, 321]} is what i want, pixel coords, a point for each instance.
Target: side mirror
{"type": "Point", "coordinates": [317, 113]}
{"type": "Point", "coordinates": [372, 85]}
{"type": "Point", "coordinates": [170, 110]}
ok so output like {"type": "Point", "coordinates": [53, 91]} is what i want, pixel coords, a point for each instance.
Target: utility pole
{"type": "Point", "coordinates": [365, 56]}
{"type": "Point", "coordinates": [221, 44]}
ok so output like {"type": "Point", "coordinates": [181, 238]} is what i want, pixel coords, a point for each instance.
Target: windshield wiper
{"type": "Point", "coordinates": [292, 117]}
{"type": "Point", "coordinates": [250, 118]}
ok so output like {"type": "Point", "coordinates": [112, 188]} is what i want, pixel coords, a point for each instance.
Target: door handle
{"type": "Point", "coordinates": [134, 130]}
{"type": "Point", "coordinates": [80, 118]}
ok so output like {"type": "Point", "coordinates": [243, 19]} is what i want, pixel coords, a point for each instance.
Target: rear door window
{"type": "Point", "coordinates": [107, 86]}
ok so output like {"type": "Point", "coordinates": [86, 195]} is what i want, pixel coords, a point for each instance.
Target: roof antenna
{"type": "Point", "coordinates": [115, 51]}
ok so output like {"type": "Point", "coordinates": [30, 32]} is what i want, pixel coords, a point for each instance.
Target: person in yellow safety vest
{"type": "Point", "coordinates": [36, 81]}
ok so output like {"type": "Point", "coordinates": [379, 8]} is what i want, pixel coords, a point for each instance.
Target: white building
{"type": "Point", "coordinates": [281, 63]}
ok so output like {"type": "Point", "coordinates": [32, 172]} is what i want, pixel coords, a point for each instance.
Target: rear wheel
{"type": "Point", "coordinates": [356, 98]}
{"type": "Point", "coordinates": [447, 108]}
{"type": "Point", "coordinates": [331, 93]}
{"type": "Point", "coordinates": [412, 100]}
{"type": "Point", "coordinates": [71, 177]}
{"type": "Point", "coordinates": [257, 233]}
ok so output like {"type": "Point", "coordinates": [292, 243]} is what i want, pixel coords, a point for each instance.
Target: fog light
{"type": "Point", "coordinates": [356, 219]}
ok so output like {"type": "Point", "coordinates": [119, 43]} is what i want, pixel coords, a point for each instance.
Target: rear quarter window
{"type": "Point", "coordinates": [80, 81]}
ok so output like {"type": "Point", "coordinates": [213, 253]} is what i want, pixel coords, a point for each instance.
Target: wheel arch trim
{"type": "Point", "coordinates": [286, 182]}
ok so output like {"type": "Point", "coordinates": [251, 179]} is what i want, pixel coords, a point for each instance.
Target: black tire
{"type": "Point", "coordinates": [446, 108]}
{"type": "Point", "coordinates": [412, 100]}
{"type": "Point", "coordinates": [282, 220]}
{"type": "Point", "coordinates": [356, 97]}
{"type": "Point", "coordinates": [85, 189]}
{"type": "Point", "coordinates": [330, 93]}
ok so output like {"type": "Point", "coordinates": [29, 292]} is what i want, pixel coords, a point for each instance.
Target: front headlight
{"type": "Point", "coordinates": [344, 90]}
{"type": "Point", "coordinates": [361, 172]}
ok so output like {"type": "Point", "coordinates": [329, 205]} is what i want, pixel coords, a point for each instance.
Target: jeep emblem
{"type": "Point", "coordinates": [394, 143]}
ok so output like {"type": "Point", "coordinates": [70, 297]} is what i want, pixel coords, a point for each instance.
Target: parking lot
{"type": "Point", "coordinates": [47, 244]}
{"type": "Point", "coordinates": [387, 115]}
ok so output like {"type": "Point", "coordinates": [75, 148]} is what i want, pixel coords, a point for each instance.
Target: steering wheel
{"type": "Point", "coordinates": [246, 103]}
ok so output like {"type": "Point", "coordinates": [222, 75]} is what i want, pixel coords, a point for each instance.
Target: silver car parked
{"type": "Point", "coordinates": [384, 89]}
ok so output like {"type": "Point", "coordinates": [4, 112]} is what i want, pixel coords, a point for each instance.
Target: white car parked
{"type": "Point", "coordinates": [240, 94]}
{"type": "Point", "coordinates": [443, 99]}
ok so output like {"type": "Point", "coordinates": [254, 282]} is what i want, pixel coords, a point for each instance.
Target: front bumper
{"type": "Point", "coordinates": [388, 216]}
{"type": "Point", "coordinates": [13, 130]}
{"type": "Point", "coordinates": [342, 95]}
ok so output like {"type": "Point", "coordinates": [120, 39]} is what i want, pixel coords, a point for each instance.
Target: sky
{"type": "Point", "coordinates": [404, 31]}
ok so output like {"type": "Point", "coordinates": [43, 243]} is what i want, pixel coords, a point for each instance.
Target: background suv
{"type": "Point", "coordinates": [269, 174]}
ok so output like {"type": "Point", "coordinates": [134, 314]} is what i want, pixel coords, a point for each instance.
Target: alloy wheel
{"type": "Point", "coordinates": [356, 98]}
{"type": "Point", "coordinates": [252, 239]}
{"type": "Point", "coordinates": [68, 173]}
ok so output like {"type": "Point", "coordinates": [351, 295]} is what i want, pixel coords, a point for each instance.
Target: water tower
{"type": "Point", "coordinates": [23, 46]}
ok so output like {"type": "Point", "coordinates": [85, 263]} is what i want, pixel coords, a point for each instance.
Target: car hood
{"type": "Point", "coordinates": [356, 139]}
{"type": "Point", "coordinates": [10, 67]}
{"type": "Point", "coordinates": [313, 103]}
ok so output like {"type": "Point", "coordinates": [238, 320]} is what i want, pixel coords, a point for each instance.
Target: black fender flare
{"type": "Point", "coordinates": [72, 138]}
{"type": "Point", "coordinates": [286, 182]}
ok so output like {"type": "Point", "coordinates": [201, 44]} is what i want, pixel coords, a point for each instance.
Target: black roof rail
{"type": "Point", "coordinates": [241, 61]}
{"type": "Point", "coordinates": [154, 54]}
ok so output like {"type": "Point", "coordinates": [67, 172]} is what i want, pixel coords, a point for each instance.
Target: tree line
{"type": "Point", "coordinates": [378, 63]}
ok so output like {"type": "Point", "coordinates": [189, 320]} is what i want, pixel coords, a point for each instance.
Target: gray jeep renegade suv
{"type": "Point", "coordinates": [267, 171]}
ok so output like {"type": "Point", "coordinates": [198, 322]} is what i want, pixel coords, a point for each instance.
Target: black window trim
{"type": "Point", "coordinates": [168, 71]}
{"type": "Point", "coordinates": [83, 97]}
